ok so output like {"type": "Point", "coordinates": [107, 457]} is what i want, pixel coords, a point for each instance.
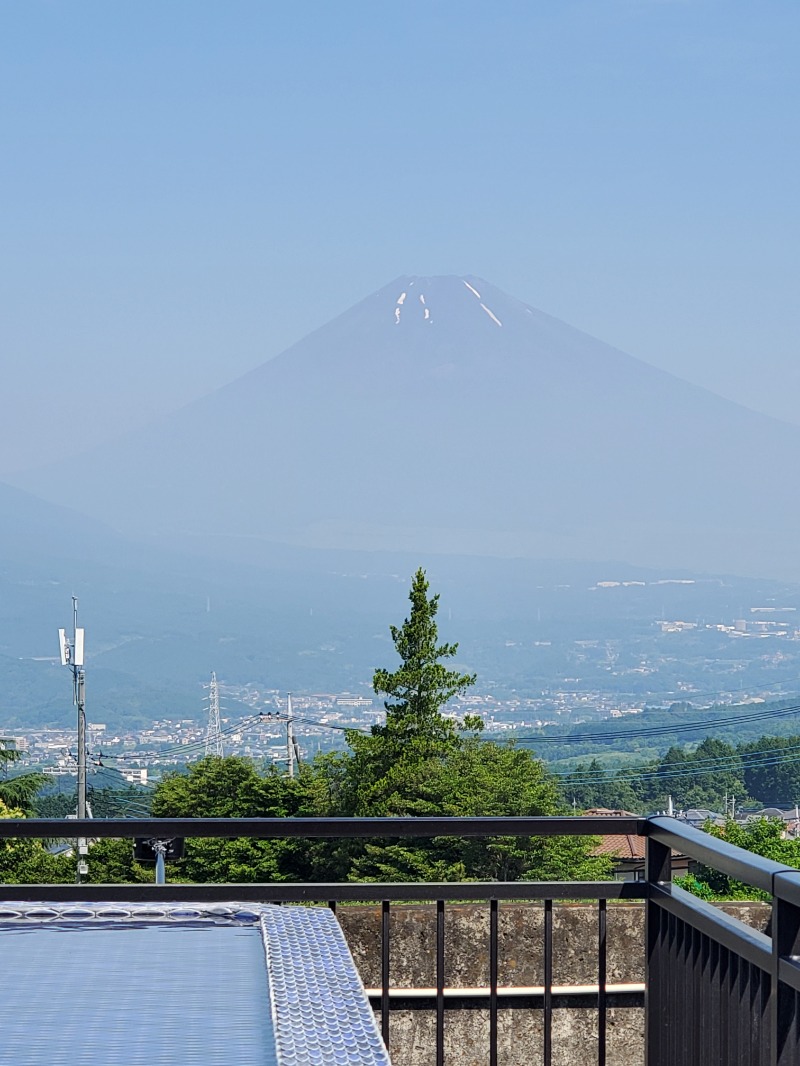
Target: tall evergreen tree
{"type": "Point", "coordinates": [421, 686]}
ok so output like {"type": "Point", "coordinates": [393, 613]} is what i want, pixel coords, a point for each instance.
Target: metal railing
{"type": "Point", "coordinates": [715, 992]}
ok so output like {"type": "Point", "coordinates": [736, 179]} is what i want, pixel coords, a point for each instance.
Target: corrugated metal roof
{"type": "Point", "coordinates": [273, 986]}
{"type": "Point", "coordinates": [102, 995]}
{"type": "Point", "coordinates": [320, 1010]}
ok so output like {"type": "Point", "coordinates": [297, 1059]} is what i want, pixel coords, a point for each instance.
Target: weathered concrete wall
{"type": "Point", "coordinates": [520, 962]}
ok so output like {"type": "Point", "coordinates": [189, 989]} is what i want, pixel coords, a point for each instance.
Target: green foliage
{"type": "Point", "coordinates": [128, 801]}
{"type": "Point", "coordinates": [25, 861]}
{"type": "Point", "coordinates": [417, 763]}
{"type": "Point", "coordinates": [779, 782]}
{"type": "Point", "coordinates": [18, 791]}
{"type": "Point", "coordinates": [418, 689]}
{"type": "Point", "coordinates": [111, 862]}
{"type": "Point", "coordinates": [682, 724]}
{"type": "Point", "coordinates": [21, 791]}
{"type": "Point", "coordinates": [232, 787]}
{"type": "Point", "coordinates": [420, 763]}
{"type": "Point", "coordinates": [694, 777]}
{"type": "Point", "coordinates": [763, 836]}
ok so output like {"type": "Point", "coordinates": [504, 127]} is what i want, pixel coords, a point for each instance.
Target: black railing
{"type": "Point", "coordinates": [715, 991]}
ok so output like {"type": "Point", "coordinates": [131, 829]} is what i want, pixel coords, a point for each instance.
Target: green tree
{"type": "Point", "coordinates": [763, 836]}
{"type": "Point", "coordinates": [590, 785]}
{"type": "Point", "coordinates": [422, 684]}
{"type": "Point", "coordinates": [388, 767]}
{"type": "Point", "coordinates": [707, 773]}
{"type": "Point", "coordinates": [232, 787]}
{"type": "Point", "coordinates": [24, 861]}
{"type": "Point", "coordinates": [111, 862]}
{"type": "Point", "coordinates": [20, 790]}
{"type": "Point", "coordinates": [776, 783]}
{"type": "Point", "coordinates": [420, 763]}
{"type": "Point", "coordinates": [476, 779]}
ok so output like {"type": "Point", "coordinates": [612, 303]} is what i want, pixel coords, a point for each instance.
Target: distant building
{"type": "Point", "coordinates": [628, 851]}
{"type": "Point", "coordinates": [136, 776]}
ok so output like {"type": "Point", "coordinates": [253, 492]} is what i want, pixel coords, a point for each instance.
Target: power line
{"type": "Point", "coordinates": [743, 756]}
{"type": "Point", "coordinates": [649, 731]}
{"type": "Point", "coordinates": [732, 763]}
{"type": "Point", "coordinates": [187, 748]}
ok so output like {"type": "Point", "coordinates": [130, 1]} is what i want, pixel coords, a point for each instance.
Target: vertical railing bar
{"type": "Point", "coordinates": [725, 1004]}
{"type": "Point", "coordinates": [493, 968]}
{"type": "Point", "coordinates": [676, 976]}
{"type": "Point", "coordinates": [385, 972]}
{"type": "Point", "coordinates": [785, 942]}
{"type": "Point", "coordinates": [745, 1012]}
{"type": "Point", "coordinates": [715, 1001]}
{"type": "Point", "coordinates": [332, 905]}
{"type": "Point", "coordinates": [765, 1043]}
{"type": "Point", "coordinates": [602, 960]}
{"type": "Point", "coordinates": [658, 961]}
{"type": "Point", "coordinates": [705, 1021]}
{"type": "Point", "coordinates": [548, 983]}
{"type": "Point", "coordinates": [734, 1006]}
{"type": "Point", "coordinates": [439, 982]}
{"type": "Point", "coordinates": [693, 1004]}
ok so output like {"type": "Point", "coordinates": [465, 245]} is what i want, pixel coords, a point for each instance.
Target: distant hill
{"type": "Point", "coordinates": [442, 415]}
{"type": "Point", "coordinates": [33, 528]}
{"type": "Point", "coordinates": [158, 621]}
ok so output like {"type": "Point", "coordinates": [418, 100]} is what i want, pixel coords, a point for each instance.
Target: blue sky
{"type": "Point", "coordinates": [189, 187]}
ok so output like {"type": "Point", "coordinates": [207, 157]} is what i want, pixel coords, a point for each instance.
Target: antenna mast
{"type": "Point", "coordinates": [214, 729]}
{"type": "Point", "coordinates": [72, 655]}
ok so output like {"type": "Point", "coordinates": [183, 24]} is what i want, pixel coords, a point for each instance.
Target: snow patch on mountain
{"type": "Point", "coordinates": [491, 315]}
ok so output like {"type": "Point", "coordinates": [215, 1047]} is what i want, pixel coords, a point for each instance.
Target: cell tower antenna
{"type": "Point", "coordinates": [72, 655]}
{"type": "Point", "coordinates": [214, 729]}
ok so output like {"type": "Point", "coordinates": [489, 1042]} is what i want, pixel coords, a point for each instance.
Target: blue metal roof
{"type": "Point", "coordinates": [320, 1011]}
{"type": "Point", "coordinates": [273, 986]}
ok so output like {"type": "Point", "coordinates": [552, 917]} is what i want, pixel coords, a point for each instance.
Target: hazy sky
{"type": "Point", "coordinates": [189, 187]}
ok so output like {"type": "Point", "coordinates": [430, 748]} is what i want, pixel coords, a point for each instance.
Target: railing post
{"type": "Point", "coordinates": [657, 869]}
{"type": "Point", "coordinates": [785, 943]}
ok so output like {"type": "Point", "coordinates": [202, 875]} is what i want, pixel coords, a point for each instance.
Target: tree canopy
{"type": "Point", "coordinates": [419, 761]}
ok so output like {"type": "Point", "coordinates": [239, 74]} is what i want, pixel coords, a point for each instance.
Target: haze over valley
{"type": "Point", "coordinates": [251, 383]}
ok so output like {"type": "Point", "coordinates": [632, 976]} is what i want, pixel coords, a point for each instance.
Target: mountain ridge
{"type": "Point", "coordinates": [440, 414]}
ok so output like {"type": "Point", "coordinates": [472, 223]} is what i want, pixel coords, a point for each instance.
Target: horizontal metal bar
{"type": "Point", "coordinates": [786, 885]}
{"type": "Point", "coordinates": [744, 941]}
{"type": "Point", "coordinates": [531, 1001]}
{"type": "Point", "coordinates": [271, 828]}
{"type": "Point", "coordinates": [727, 858]}
{"type": "Point", "coordinates": [510, 992]}
{"type": "Point", "coordinates": [421, 891]}
{"type": "Point", "coordinates": [789, 972]}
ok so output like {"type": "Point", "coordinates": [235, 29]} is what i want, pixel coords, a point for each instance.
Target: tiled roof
{"type": "Point", "coordinates": [621, 845]}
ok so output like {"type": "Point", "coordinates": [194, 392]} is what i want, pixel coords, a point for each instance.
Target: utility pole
{"type": "Point", "coordinates": [72, 655]}
{"type": "Point", "coordinates": [290, 736]}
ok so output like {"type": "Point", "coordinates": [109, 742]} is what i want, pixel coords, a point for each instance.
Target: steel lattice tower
{"type": "Point", "coordinates": [214, 729]}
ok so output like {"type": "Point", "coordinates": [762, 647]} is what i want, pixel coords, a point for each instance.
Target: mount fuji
{"type": "Point", "coordinates": [442, 415]}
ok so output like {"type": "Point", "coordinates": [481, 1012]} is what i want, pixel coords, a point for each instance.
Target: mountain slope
{"type": "Point", "coordinates": [441, 414]}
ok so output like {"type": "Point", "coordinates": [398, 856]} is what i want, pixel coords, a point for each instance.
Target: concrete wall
{"type": "Point", "coordinates": [520, 962]}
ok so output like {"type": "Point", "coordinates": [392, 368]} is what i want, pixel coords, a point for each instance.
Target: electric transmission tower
{"type": "Point", "coordinates": [214, 730]}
